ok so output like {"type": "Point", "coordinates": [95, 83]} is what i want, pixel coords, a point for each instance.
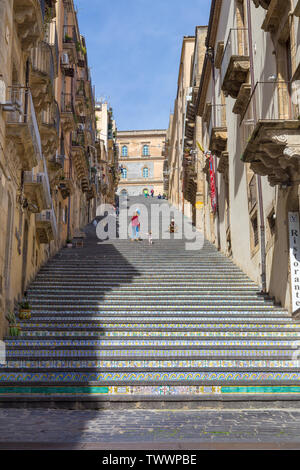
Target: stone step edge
{"type": "Point", "coordinates": [158, 329]}
{"type": "Point", "coordinates": [148, 358]}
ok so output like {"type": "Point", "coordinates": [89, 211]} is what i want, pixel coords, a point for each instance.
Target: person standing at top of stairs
{"type": "Point", "coordinates": [135, 223]}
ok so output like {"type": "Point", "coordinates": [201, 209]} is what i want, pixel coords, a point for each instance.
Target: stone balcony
{"type": "Point", "coordinates": [217, 129]}
{"type": "Point", "coordinates": [21, 127]}
{"type": "Point", "coordinates": [66, 185]}
{"type": "Point", "coordinates": [235, 64]}
{"type": "Point", "coordinates": [67, 112]}
{"type": "Point", "coordinates": [37, 191]}
{"type": "Point", "coordinates": [46, 227]}
{"type": "Point", "coordinates": [29, 18]}
{"type": "Point", "coordinates": [80, 97]}
{"type": "Point", "coordinates": [275, 12]}
{"type": "Point", "coordinates": [79, 154]}
{"type": "Point", "coordinates": [50, 123]}
{"type": "Point", "coordinates": [70, 42]}
{"type": "Point", "coordinates": [42, 75]}
{"type": "Point", "coordinates": [56, 163]}
{"type": "Point", "coordinates": [272, 133]}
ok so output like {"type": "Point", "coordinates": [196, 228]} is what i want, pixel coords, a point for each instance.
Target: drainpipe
{"type": "Point", "coordinates": [259, 184]}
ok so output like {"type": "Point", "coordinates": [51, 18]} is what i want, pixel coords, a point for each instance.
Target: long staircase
{"type": "Point", "coordinates": [128, 322]}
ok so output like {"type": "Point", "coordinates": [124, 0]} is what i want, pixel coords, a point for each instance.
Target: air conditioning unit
{"type": "Point", "coordinates": [65, 59]}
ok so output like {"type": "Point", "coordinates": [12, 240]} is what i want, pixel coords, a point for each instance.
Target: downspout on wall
{"type": "Point", "coordinates": [259, 183]}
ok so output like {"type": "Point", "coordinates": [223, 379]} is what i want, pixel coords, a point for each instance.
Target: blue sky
{"type": "Point", "coordinates": [134, 51]}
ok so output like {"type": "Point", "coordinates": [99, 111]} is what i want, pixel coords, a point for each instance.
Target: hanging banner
{"type": "Point", "coordinates": [213, 195]}
{"type": "Point", "coordinates": [294, 238]}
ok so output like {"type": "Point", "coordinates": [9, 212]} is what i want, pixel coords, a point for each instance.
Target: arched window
{"type": "Point", "coordinates": [146, 152]}
{"type": "Point", "coordinates": [124, 173]}
{"type": "Point", "coordinates": [146, 172]}
{"type": "Point", "coordinates": [124, 151]}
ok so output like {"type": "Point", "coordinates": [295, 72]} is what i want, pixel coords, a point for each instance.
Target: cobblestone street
{"type": "Point", "coordinates": [143, 429]}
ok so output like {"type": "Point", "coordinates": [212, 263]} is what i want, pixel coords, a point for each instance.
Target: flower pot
{"type": "Point", "coordinates": [24, 314]}
{"type": "Point", "coordinates": [14, 330]}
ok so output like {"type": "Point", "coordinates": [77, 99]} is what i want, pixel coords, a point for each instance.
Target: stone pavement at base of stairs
{"type": "Point", "coordinates": [150, 429]}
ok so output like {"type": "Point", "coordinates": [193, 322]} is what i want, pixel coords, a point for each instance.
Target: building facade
{"type": "Point", "coordinates": [248, 103]}
{"type": "Point", "coordinates": [182, 164]}
{"type": "Point", "coordinates": [48, 156]}
{"type": "Point", "coordinates": [106, 134]}
{"type": "Point", "coordinates": [141, 160]}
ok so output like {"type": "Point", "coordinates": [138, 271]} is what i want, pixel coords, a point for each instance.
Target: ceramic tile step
{"type": "Point", "coordinates": [139, 283]}
{"type": "Point", "coordinates": [165, 377]}
{"type": "Point", "coordinates": [83, 393]}
{"type": "Point", "coordinates": [166, 326]}
{"type": "Point", "coordinates": [160, 342]}
{"type": "Point", "coordinates": [58, 288]}
{"type": "Point", "coordinates": [40, 356]}
{"type": "Point", "coordinates": [142, 363]}
{"type": "Point", "coordinates": [152, 297]}
{"type": "Point", "coordinates": [118, 353]}
{"type": "Point", "coordinates": [162, 310]}
{"type": "Point", "coordinates": [158, 333]}
{"type": "Point", "coordinates": [131, 303]}
{"type": "Point", "coordinates": [116, 319]}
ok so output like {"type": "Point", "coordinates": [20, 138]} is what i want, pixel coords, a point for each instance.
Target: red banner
{"type": "Point", "coordinates": [213, 195]}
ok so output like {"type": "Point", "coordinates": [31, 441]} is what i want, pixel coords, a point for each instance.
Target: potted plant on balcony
{"type": "Point", "coordinates": [14, 329]}
{"type": "Point", "coordinates": [68, 38]}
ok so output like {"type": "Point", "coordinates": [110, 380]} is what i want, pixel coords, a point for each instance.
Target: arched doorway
{"type": "Point", "coordinates": [24, 256]}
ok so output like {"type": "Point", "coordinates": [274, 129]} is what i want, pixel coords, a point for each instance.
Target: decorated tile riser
{"type": "Point", "coordinates": [173, 334]}
{"type": "Point", "coordinates": [43, 320]}
{"type": "Point", "coordinates": [79, 353]}
{"type": "Point", "coordinates": [151, 364]}
{"type": "Point", "coordinates": [147, 376]}
{"type": "Point", "coordinates": [101, 342]}
{"type": "Point", "coordinates": [158, 390]}
{"type": "Point", "coordinates": [144, 324]}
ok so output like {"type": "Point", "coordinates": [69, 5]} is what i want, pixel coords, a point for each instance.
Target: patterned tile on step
{"type": "Point", "coordinates": [147, 376]}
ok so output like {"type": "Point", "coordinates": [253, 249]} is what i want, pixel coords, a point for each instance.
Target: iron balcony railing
{"type": "Point", "coordinates": [51, 38]}
{"type": "Point", "coordinates": [40, 178]}
{"type": "Point", "coordinates": [78, 139]}
{"type": "Point", "coordinates": [51, 116]}
{"type": "Point", "coordinates": [69, 34]}
{"type": "Point", "coordinates": [236, 45]}
{"type": "Point", "coordinates": [48, 216]}
{"type": "Point", "coordinates": [271, 101]}
{"type": "Point", "coordinates": [217, 117]}
{"type": "Point", "coordinates": [21, 100]}
{"type": "Point", "coordinates": [67, 103]}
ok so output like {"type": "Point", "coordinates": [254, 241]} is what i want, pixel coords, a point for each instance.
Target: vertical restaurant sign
{"type": "Point", "coordinates": [213, 196]}
{"type": "Point", "coordinates": [294, 237]}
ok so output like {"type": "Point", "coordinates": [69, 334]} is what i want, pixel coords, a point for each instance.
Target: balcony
{"type": "Point", "coordinates": [66, 185]}
{"type": "Point", "coordinates": [21, 127]}
{"type": "Point", "coordinates": [51, 38]}
{"type": "Point", "coordinates": [67, 112]}
{"type": "Point", "coordinates": [42, 75]}
{"type": "Point", "coordinates": [242, 99]}
{"type": "Point", "coordinates": [80, 96]}
{"type": "Point", "coordinates": [46, 226]}
{"type": "Point", "coordinates": [56, 163]}
{"type": "Point", "coordinates": [29, 18]}
{"type": "Point", "coordinates": [70, 42]}
{"type": "Point", "coordinates": [37, 191]}
{"type": "Point", "coordinates": [79, 155]}
{"type": "Point", "coordinates": [223, 164]}
{"type": "Point", "coordinates": [263, 3]}
{"type": "Point", "coordinates": [235, 64]}
{"type": "Point", "coordinates": [275, 13]}
{"type": "Point", "coordinates": [50, 122]}
{"type": "Point", "coordinates": [271, 129]}
{"type": "Point", "coordinates": [217, 129]}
